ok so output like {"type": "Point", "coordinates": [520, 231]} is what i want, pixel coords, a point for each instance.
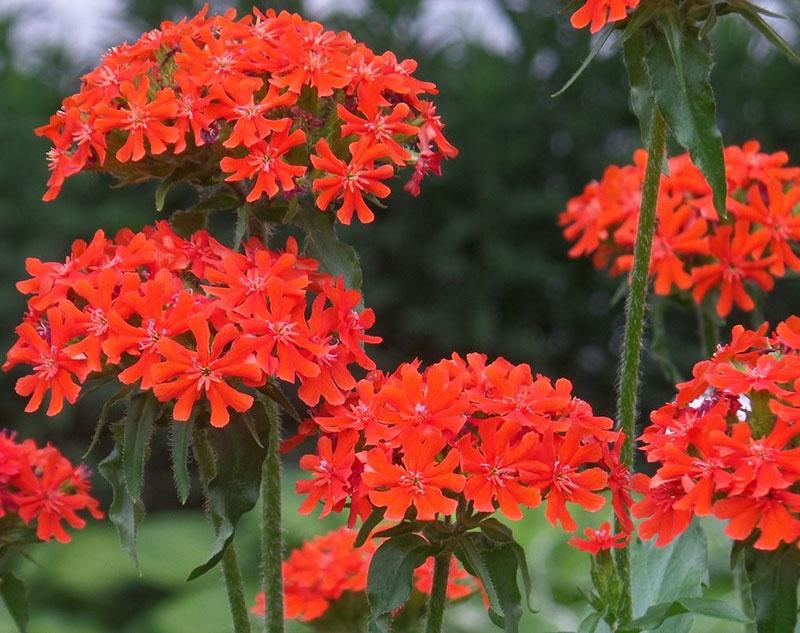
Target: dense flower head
{"type": "Point", "coordinates": [726, 446]}
{"type": "Point", "coordinates": [188, 318]}
{"type": "Point", "coordinates": [462, 434]}
{"type": "Point", "coordinates": [318, 573]}
{"type": "Point", "coordinates": [694, 251]}
{"type": "Point", "coordinates": [42, 488]}
{"type": "Point", "coordinates": [597, 13]}
{"type": "Point", "coordinates": [268, 99]}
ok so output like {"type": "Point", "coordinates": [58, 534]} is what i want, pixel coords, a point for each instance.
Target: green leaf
{"type": "Point", "coordinates": [369, 524]}
{"type": "Point", "coordinates": [665, 574]}
{"type": "Point", "coordinates": [139, 424]}
{"type": "Point", "coordinates": [125, 512]}
{"type": "Point", "coordinates": [221, 200]}
{"type": "Point", "coordinates": [768, 586]}
{"type": "Point", "coordinates": [752, 15]}
{"type": "Point", "coordinates": [103, 419]}
{"type": "Point", "coordinates": [496, 531]}
{"type": "Point", "coordinates": [404, 527]}
{"type": "Point", "coordinates": [274, 393]}
{"type": "Point", "coordinates": [180, 434]}
{"type": "Point", "coordinates": [321, 243]}
{"type": "Point", "coordinates": [600, 41]}
{"type": "Point", "coordinates": [657, 614]}
{"type": "Point", "coordinates": [642, 101]}
{"type": "Point", "coordinates": [495, 565]}
{"type": "Point", "coordinates": [14, 596]}
{"type": "Point", "coordinates": [590, 623]}
{"type": "Point", "coordinates": [233, 491]}
{"type": "Point", "coordinates": [679, 67]}
{"type": "Point", "coordinates": [391, 573]}
{"type": "Point", "coordinates": [188, 221]}
{"type": "Point", "coordinates": [161, 193]}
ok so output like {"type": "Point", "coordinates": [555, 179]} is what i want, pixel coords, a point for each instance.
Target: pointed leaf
{"type": "Point", "coordinates": [391, 573]}
{"type": "Point", "coordinates": [103, 419]}
{"type": "Point", "coordinates": [369, 524]}
{"type": "Point", "coordinates": [600, 41]}
{"type": "Point", "coordinates": [274, 393]}
{"type": "Point", "coordinates": [768, 586]}
{"type": "Point", "coordinates": [234, 490]}
{"type": "Point", "coordinates": [139, 424]}
{"type": "Point", "coordinates": [749, 13]}
{"type": "Point", "coordinates": [664, 574]}
{"type": "Point", "coordinates": [186, 222]}
{"type": "Point", "coordinates": [180, 434]}
{"type": "Point", "coordinates": [322, 243]}
{"type": "Point", "coordinates": [641, 92]}
{"type": "Point", "coordinates": [679, 67]}
{"type": "Point", "coordinates": [14, 596]}
{"type": "Point", "coordinates": [125, 512]}
{"type": "Point", "coordinates": [658, 614]}
{"type": "Point", "coordinates": [590, 623]}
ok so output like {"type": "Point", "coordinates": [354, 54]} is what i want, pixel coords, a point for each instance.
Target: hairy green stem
{"type": "Point", "coordinates": [234, 587]}
{"type": "Point", "coordinates": [635, 308]}
{"type": "Point", "coordinates": [441, 571]}
{"type": "Point", "coordinates": [271, 529]}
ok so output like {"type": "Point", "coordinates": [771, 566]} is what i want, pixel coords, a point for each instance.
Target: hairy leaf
{"type": "Point", "coordinates": [180, 434]}
{"type": "Point", "coordinates": [768, 586]}
{"type": "Point", "coordinates": [322, 243]}
{"type": "Point", "coordinates": [139, 424]}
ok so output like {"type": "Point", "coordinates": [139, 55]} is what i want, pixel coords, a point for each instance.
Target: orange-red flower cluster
{"type": "Point", "coordinates": [693, 250]}
{"type": "Point", "coordinates": [727, 445]}
{"type": "Point", "coordinates": [421, 442]}
{"type": "Point", "coordinates": [597, 13]}
{"type": "Point", "coordinates": [322, 570]}
{"type": "Point", "coordinates": [599, 540]}
{"type": "Point", "coordinates": [42, 487]}
{"type": "Point", "coordinates": [189, 319]}
{"type": "Point", "coordinates": [270, 99]}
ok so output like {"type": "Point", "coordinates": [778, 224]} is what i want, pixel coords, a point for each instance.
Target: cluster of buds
{"type": "Point", "coordinates": [270, 101]}
{"type": "Point", "coordinates": [462, 436]}
{"type": "Point", "coordinates": [41, 487]}
{"type": "Point", "coordinates": [189, 319]}
{"type": "Point", "coordinates": [727, 444]}
{"type": "Point", "coordinates": [694, 250]}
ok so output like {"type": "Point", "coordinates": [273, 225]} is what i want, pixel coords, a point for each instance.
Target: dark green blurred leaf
{"type": "Point", "coordinates": [188, 221]}
{"type": "Point", "coordinates": [125, 512]}
{"type": "Point", "coordinates": [369, 524]}
{"type": "Point", "coordinates": [322, 243]}
{"type": "Point", "coordinates": [14, 596]}
{"type": "Point", "coordinates": [768, 587]}
{"type": "Point", "coordinates": [102, 421]}
{"type": "Point", "coordinates": [679, 66]}
{"type": "Point", "coordinates": [641, 92]}
{"type": "Point", "coordinates": [391, 573]}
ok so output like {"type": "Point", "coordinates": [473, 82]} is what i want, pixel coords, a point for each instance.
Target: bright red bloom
{"type": "Point", "coordinates": [187, 374]}
{"type": "Point", "coordinates": [596, 13]}
{"type": "Point", "coordinates": [600, 540]}
{"type": "Point", "coordinates": [41, 486]}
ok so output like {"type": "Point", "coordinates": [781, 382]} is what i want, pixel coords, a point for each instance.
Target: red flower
{"type": "Point", "coordinates": [596, 13]}
{"type": "Point", "coordinates": [349, 181]}
{"type": "Point", "coordinates": [600, 540]}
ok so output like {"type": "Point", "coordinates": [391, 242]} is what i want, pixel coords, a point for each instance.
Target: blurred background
{"type": "Point", "coordinates": [476, 262]}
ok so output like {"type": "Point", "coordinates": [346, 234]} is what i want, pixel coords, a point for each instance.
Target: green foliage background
{"type": "Point", "coordinates": [475, 263]}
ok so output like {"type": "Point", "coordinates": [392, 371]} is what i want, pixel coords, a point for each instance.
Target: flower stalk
{"type": "Point", "coordinates": [234, 587]}
{"type": "Point", "coordinates": [441, 571]}
{"type": "Point", "coordinates": [271, 530]}
{"type": "Point", "coordinates": [635, 309]}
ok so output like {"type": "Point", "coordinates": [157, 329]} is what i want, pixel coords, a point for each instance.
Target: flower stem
{"type": "Point", "coordinates": [206, 464]}
{"type": "Point", "coordinates": [441, 570]}
{"type": "Point", "coordinates": [271, 530]}
{"type": "Point", "coordinates": [635, 308]}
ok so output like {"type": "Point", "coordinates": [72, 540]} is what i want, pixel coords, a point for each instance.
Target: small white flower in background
{"type": "Point", "coordinates": [745, 407]}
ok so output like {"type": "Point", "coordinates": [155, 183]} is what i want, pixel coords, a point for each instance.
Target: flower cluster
{"type": "Point", "coordinates": [693, 250]}
{"type": "Point", "coordinates": [601, 539]}
{"type": "Point", "coordinates": [187, 318]}
{"type": "Point", "coordinates": [322, 570]}
{"type": "Point", "coordinates": [269, 99]}
{"type": "Point", "coordinates": [727, 445]}
{"type": "Point", "coordinates": [41, 486]}
{"type": "Point", "coordinates": [597, 13]}
{"type": "Point", "coordinates": [462, 434]}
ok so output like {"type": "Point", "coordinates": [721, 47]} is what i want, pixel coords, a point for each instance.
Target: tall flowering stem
{"type": "Point", "coordinates": [635, 308]}
{"type": "Point", "coordinates": [234, 587]}
{"type": "Point", "coordinates": [271, 531]}
{"type": "Point", "coordinates": [441, 571]}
